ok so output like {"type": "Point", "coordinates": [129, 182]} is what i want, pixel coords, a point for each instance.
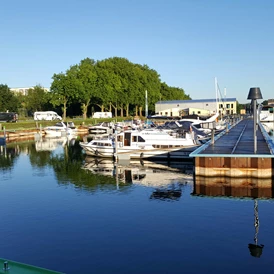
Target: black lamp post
{"type": "Point", "coordinates": [254, 94]}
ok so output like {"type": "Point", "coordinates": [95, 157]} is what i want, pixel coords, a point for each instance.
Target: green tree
{"type": "Point", "coordinates": [36, 99]}
{"type": "Point", "coordinates": [64, 89]}
{"type": "Point", "coordinates": [87, 77]}
{"type": "Point", "coordinates": [8, 100]}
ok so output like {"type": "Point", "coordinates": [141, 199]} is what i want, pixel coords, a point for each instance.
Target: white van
{"type": "Point", "coordinates": [102, 115]}
{"type": "Point", "coordinates": [46, 115]}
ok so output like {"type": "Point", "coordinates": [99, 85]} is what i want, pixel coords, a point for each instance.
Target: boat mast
{"type": "Point", "coordinates": [216, 90]}
{"type": "Point", "coordinates": [146, 106]}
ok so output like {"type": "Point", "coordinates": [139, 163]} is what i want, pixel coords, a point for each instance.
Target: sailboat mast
{"type": "Point", "coordinates": [216, 90]}
{"type": "Point", "coordinates": [146, 105]}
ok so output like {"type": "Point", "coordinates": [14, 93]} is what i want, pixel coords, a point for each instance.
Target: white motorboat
{"type": "Point", "coordinates": [266, 116]}
{"type": "Point", "coordinates": [147, 143]}
{"type": "Point", "coordinates": [61, 129]}
{"type": "Point", "coordinates": [101, 128]}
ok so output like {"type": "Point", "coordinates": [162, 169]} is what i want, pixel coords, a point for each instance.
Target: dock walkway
{"type": "Point", "coordinates": [232, 154]}
{"type": "Point", "coordinates": [239, 140]}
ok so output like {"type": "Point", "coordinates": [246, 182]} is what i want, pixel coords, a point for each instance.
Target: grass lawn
{"type": "Point", "coordinates": [31, 124]}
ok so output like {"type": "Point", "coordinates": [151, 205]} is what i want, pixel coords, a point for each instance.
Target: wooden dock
{"type": "Point", "coordinates": [231, 154]}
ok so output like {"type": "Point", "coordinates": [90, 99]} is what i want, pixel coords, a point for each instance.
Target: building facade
{"type": "Point", "coordinates": [226, 106]}
{"type": "Point", "coordinates": [24, 90]}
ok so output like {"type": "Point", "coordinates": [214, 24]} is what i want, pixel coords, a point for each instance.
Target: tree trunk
{"type": "Point", "coordinates": [127, 110]}
{"type": "Point", "coordinates": [116, 110]}
{"type": "Point", "coordinates": [84, 110]}
{"type": "Point", "coordinates": [122, 111]}
{"type": "Point", "coordinates": [136, 110]}
{"type": "Point", "coordinates": [140, 111]}
{"type": "Point", "coordinates": [65, 110]}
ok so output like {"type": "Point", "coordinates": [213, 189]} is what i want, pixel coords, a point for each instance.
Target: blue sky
{"type": "Point", "coordinates": [188, 42]}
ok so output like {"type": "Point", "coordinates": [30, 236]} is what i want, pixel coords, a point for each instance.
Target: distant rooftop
{"type": "Point", "coordinates": [196, 101]}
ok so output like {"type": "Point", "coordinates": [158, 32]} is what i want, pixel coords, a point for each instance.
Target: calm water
{"type": "Point", "coordinates": [59, 212]}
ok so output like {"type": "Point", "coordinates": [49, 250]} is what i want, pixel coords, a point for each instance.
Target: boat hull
{"type": "Point", "coordinates": [164, 153]}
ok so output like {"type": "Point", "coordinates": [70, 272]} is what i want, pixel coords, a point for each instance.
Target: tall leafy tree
{"type": "Point", "coordinates": [36, 99]}
{"type": "Point", "coordinates": [8, 100]}
{"type": "Point", "coordinates": [108, 85]}
{"type": "Point", "coordinates": [64, 89]}
{"type": "Point", "coordinates": [87, 80]}
{"type": "Point", "coordinates": [172, 93]}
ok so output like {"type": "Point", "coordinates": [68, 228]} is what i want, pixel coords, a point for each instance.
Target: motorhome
{"type": "Point", "coordinates": [46, 115]}
{"type": "Point", "coordinates": [102, 115]}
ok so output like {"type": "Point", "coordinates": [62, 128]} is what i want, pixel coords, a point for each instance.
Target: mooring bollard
{"type": "Point", "coordinates": [6, 266]}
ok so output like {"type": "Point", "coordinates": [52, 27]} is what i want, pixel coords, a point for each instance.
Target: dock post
{"type": "Point", "coordinates": [255, 124]}
{"type": "Point", "coordinates": [254, 94]}
{"type": "Point", "coordinates": [116, 146]}
{"type": "Point", "coordinates": [212, 136]}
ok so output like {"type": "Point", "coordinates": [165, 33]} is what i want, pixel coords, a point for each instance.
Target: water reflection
{"type": "Point", "coordinates": [167, 182]}
{"type": "Point", "coordinates": [52, 143]}
{"type": "Point", "coordinates": [253, 188]}
{"type": "Point", "coordinates": [80, 207]}
{"type": "Point", "coordinates": [233, 187]}
{"type": "Point", "coordinates": [256, 249]}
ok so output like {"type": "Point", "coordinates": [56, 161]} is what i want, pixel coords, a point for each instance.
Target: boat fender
{"type": "Point", "coordinates": [96, 152]}
{"type": "Point", "coordinates": [141, 155]}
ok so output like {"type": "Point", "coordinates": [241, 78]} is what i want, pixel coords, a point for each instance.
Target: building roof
{"type": "Point", "coordinates": [196, 101]}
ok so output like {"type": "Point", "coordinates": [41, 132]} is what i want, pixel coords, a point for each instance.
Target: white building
{"type": "Point", "coordinates": [200, 106]}
{"type": "Point", "coordinates": [24, 90]}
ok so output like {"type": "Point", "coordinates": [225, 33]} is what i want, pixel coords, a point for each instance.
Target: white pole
{"type": "Point", "coordinates": [146, 105]}
{"type": "Point", "coordinates": [216, 90]}
{"type": "Point", "coordinates": [255, 124]}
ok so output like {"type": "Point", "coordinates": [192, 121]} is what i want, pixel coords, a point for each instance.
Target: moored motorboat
{"type": "Point", "coordinates": [266, 117]}
{"type": "Point", "coordinates": [147, 143]}
{"type": "Point", "coordinates": [101, 128]}
{"type": "Point", "coordinates": [61, 129]}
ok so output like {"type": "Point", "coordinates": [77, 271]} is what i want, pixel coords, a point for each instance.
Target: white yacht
{"type": "Point", "coordinates": [60, 129]}
{"type": "Point", "coordinates": [101, 128]}
{"type": "Point", "coordinates": [147, 143]}
{"type": "Point", "coordinates": [266, 116]}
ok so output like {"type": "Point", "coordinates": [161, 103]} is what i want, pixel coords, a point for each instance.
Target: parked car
{"type": "Point", "coordinates": [8, 117]}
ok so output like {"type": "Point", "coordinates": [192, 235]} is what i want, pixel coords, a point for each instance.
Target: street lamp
{"type": "Point", "coordinates": [253, 95]}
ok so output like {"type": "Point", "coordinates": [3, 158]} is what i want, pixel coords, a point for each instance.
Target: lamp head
{"type": "Point", "coordinates": [254, 93]}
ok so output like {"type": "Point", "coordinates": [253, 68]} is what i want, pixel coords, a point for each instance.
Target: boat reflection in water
{"type": "Point", "coordinates": [52, 143]}
{"type": "Point", "coordinates": [167, 182]}
{"type": "Point", "coordinates": [240, 188]}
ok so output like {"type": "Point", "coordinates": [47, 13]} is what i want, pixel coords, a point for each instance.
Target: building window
{"type": "Point", "coordinates": [221, 106]}
{"type": "Point", "coordinates": [207, 105]}
{"type": "Point", "coordinates": [227, 105]}
{"type": "Point", "coordinates": [231, 105]}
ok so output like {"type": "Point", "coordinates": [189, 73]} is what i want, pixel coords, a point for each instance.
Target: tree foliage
{"type": "Point", "coordinates": [110, 84]}
{"type": "Point", "coordinates": [8, 101]}
{"type": "Point", "coordinates": [37, 99]}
